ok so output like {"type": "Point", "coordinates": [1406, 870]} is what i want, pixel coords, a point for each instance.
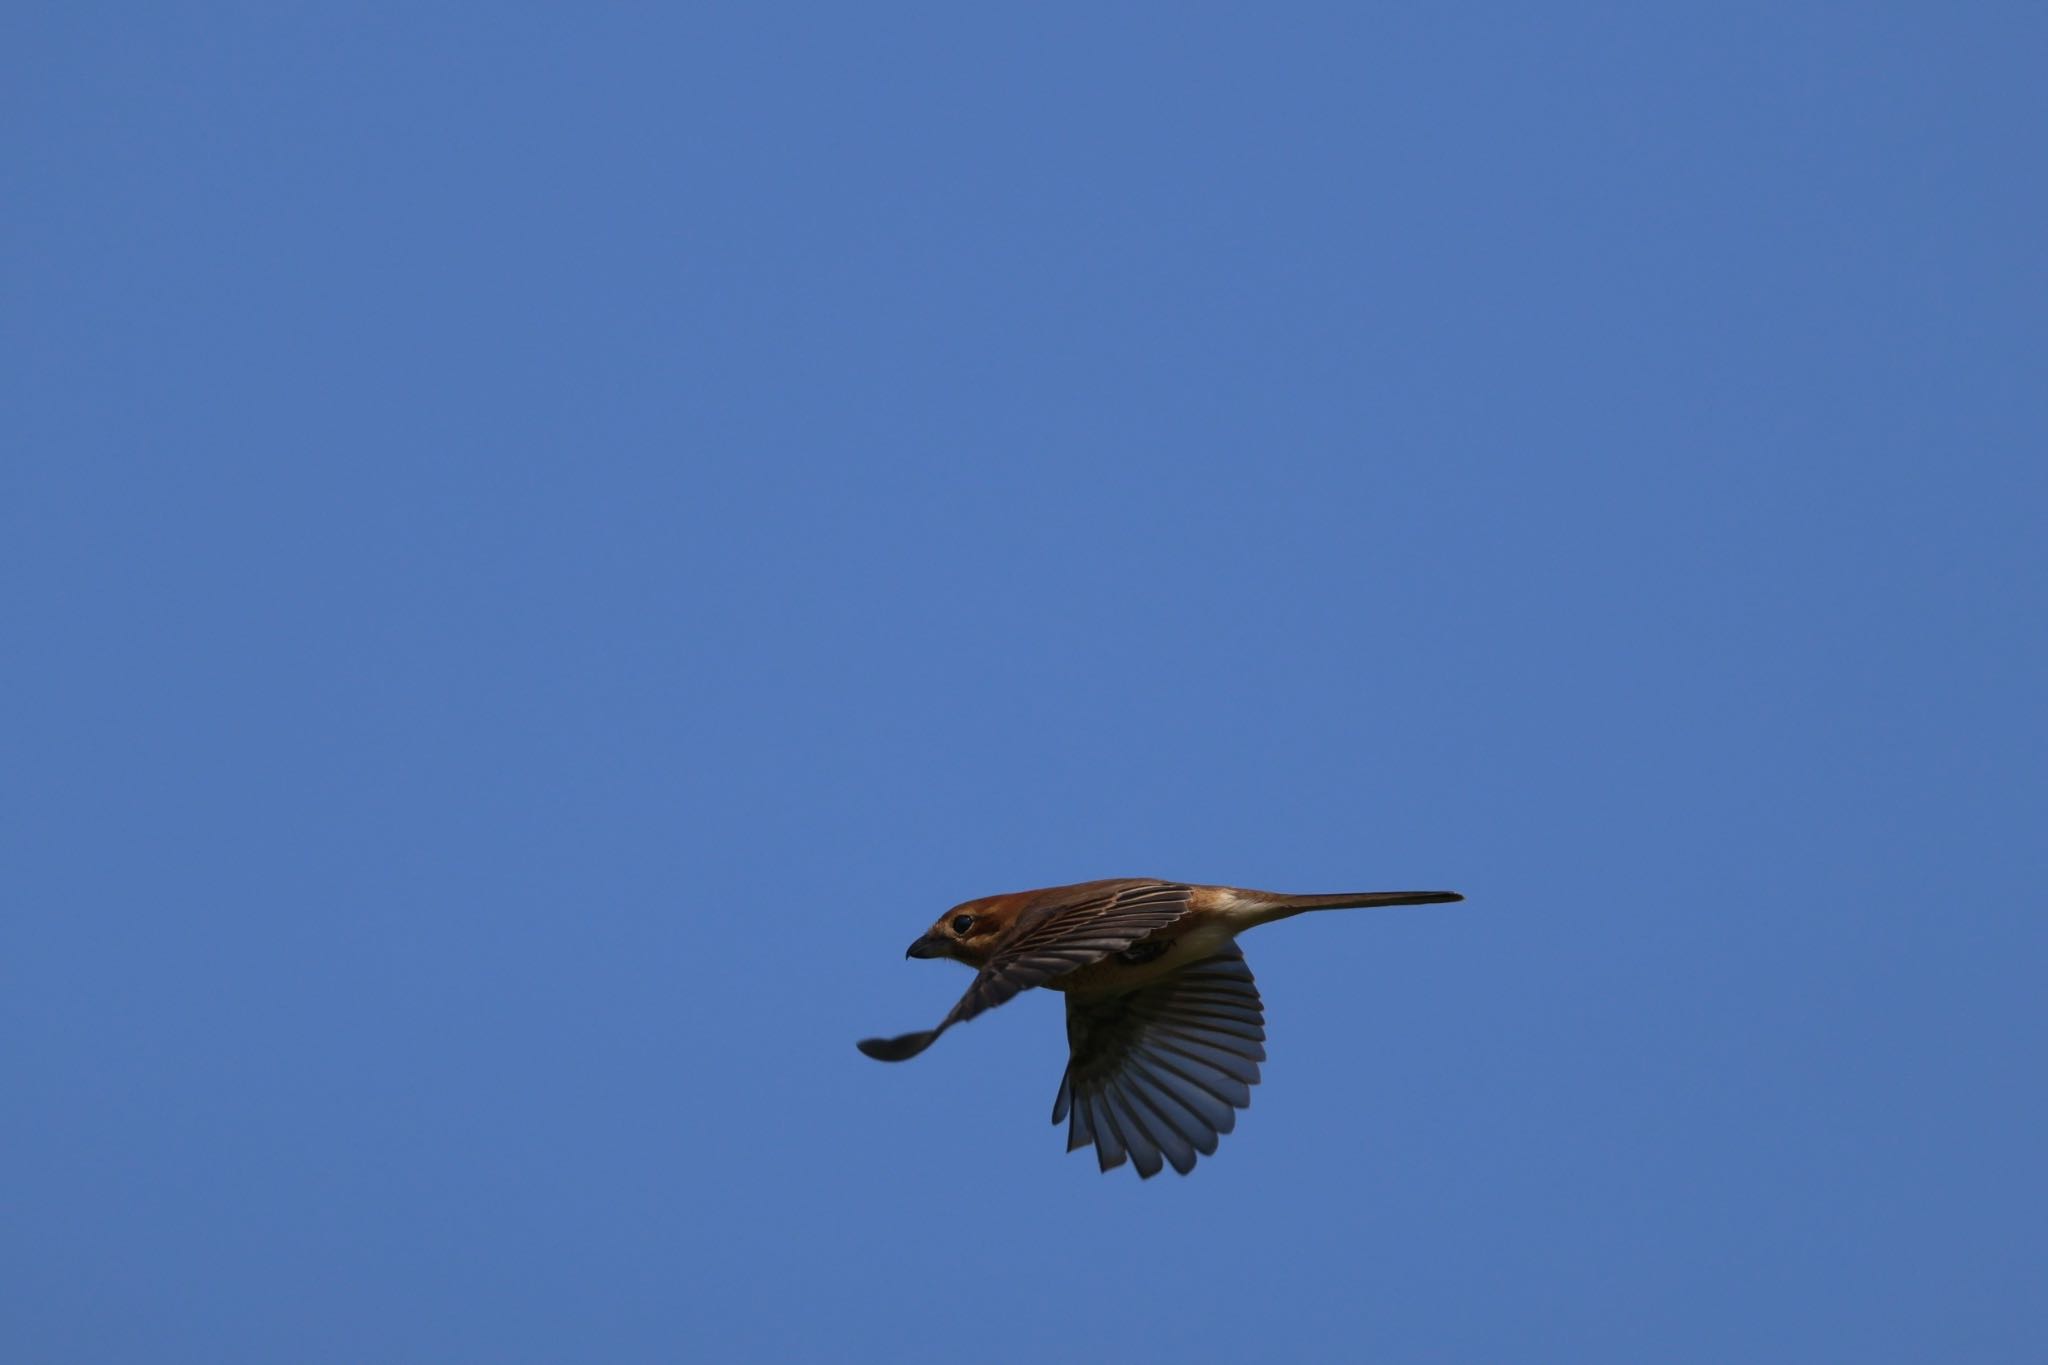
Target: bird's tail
{"type": "Point", "coordinates": [1267, 906]}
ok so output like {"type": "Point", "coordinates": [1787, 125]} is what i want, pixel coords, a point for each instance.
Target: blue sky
{"type": "Point", "coordinates": [540, 547]}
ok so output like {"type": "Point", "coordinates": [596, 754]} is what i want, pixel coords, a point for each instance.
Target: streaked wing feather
{"type": "Point", "coordinates": [1109, 1142]}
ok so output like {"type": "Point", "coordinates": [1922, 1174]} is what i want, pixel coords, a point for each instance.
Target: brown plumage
{"type": "Point", "coordinates": [1164, 1023]}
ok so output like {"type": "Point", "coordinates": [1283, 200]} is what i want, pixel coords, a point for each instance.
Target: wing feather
{"type": "Point", "coordinates": [1159, 1074]}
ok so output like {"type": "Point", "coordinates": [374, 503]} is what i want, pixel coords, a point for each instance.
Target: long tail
{"type": "Point", "coordinates": [1269, 906]}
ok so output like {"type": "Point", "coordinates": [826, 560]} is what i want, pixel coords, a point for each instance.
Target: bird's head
{"type": "Point", "coordinates": [966, 933]}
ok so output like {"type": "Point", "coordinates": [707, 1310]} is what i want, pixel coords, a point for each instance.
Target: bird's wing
{"type": "Point", "coordinates": [1162, 1071]}
{"type": "Point", "coordinates": [1048, 942]}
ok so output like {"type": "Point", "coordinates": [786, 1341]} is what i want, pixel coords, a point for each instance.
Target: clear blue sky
{"type": "Point", "coordinates": [542, 546]}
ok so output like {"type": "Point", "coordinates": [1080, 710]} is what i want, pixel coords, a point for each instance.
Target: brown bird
{"type": "Point", "coordinates": [1165, 1031]}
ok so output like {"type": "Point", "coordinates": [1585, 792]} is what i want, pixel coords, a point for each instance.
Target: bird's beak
{"type": "Point", "coordinates": [928, 946]}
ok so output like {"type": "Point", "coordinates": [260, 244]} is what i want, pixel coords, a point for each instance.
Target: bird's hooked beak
{"type": "Point", "coordinates": [931, 945]}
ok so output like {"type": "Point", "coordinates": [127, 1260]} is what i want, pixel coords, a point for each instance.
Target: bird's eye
{"type": "Point", "coordinates": [962, 923]}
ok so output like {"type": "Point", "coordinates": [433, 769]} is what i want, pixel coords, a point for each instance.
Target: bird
{"type": "Point", "coordinates": [1165, 1029]}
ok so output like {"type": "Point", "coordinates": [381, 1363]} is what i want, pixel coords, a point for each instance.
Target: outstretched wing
{"type": "Point", "coordinates": [1161, 1072]}
{"type": "Point", "coordinates": [1048, 942]}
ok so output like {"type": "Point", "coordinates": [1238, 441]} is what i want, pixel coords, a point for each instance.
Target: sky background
{"type": "Point", "coordinates": [542, 545]}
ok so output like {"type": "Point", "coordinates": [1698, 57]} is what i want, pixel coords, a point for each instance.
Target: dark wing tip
{"type": "Point", "coordinates": [897, 1049]}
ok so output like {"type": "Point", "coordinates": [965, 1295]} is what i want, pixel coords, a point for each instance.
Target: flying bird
{"type": "Point", "coordinates": [1165, 1031]}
